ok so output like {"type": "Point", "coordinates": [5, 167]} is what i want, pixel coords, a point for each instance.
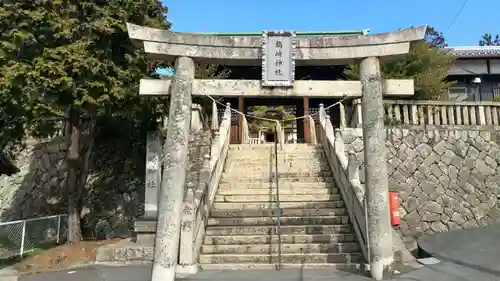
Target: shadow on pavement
{"type": "Point", "coordinates": [477, 249]}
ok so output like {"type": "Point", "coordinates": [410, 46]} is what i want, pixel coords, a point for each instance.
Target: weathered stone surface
{"type": "Point", "coordinates": [241, 228]}
{"type": "Point", "coordinates": [113, 196]}
{"type": "Point", "coordinates": [126, 251]}
{"type": "Point", "coordinates": [115, 188]}
{"type": "Point", "coordinates": [168, 44]}
{"type": "Point", "coordinates": [447, 181]}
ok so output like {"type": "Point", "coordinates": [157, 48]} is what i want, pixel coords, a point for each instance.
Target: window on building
{"type": "Point", "coordinates": [457, 93]}
{"type": "Point", "coordinates": [496, 91]}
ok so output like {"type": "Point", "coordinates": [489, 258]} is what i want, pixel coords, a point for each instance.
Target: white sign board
{"type": "Point", "coordinates": [278, 58]}
{"type": "Point", "coordinates": [153, 175]}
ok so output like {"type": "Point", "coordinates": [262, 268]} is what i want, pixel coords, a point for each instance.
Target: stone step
{"type": "Point", "coordinates": [272, 205]}
{"type": "Point", "coordinates": [284, 174]}
{"type": "Point", "coordinates": [286, 147]}
{"type": "Point", "coordinates": [285, 258]}
{"type": "Point", "coordinates": [271, 151]}
{"type": "Point", "coordinates": [285, 229]}
{"type": "Point", "coordinates": [195, 144]}
{"type": "Point", "coordinates": [134, 253]}
{"type": "Point", "coordinates": [282, 158]}
{"type": "Point", "coordinates": [266, 267]}
{"type": "Point", "coordinates": [267, 159]}
{"type": "Point", "coordinates": [272, 212]}
{"type": "Point", "coordinates": [281, 163]}
{"type": "Point", "coordinates": [283, 184]}
{"type": "Point", "coordinates": [271, 161]}
{"type": "Point", "coordinates": [300, 169]}
{"type": "Point", "coordinates": [283, 190]}
{"type": "Point", "coordinates": [271, 198]}
{"type": "Point", "coordinates": [199, 142]}
{"type": "Point", "coordinates": [266, 148]}
{"type": "Point", "coordinates": [271, 148]}
{"type": "Point", "coordinates": [225, 179]}
{"type": "Point", "coordinates": [285, 238]}
{"type": "Point", "coordinates": [322, 220]}
{"type": "Point", "coordinates": [266, 238]}
{"type": "Point", "coordinates": [285, 248]}
{"type": "Point", "coordinates": [296, 174]}
{"type": "Point", "coordinates": [281, 167]}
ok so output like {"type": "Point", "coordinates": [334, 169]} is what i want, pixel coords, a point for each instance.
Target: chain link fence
{"type": "Point", "coordinates": [24, 236]}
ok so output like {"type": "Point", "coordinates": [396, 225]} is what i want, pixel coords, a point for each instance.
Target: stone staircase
{"type": "Point", "coordinates": [142, 248]}
{"type": "Point", "coordinates": [315, 229]}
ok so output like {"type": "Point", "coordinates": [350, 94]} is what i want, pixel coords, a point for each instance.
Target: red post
{"type": "Point", "coordinates": [394, 207]}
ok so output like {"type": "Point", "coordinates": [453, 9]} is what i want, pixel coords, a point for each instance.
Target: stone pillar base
{"type": "Point", "coordinates": [145, 231]}
{"type": "Point", "coordinates": [186, 270]}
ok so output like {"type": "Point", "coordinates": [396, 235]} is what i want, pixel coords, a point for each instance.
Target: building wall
{"type": "Point", "coordinates": [475, 66]}
{"type": "Point", "coordinates": [469, 67]}
{"type": "Point", "coordinates": [486, 91]}
{"type": "Point", "coordinates": [446, 178]}
{"type": "Point", "coordinates": [465, 70]}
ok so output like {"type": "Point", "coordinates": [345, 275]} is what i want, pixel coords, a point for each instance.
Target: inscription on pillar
{"type": "Point", "coordinates": [153, 175]}
{"type": "Point", "coordinates": [278, 58]}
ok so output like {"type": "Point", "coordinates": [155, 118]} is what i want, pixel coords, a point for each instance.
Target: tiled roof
{"type": "Point", "coordinates": [475, 51]}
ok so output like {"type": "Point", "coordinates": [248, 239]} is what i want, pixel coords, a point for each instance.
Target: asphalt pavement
{"type": "Point", "coordinates": [143, 273]}
{"type": "Point", "coordinates": [465, 255]}
{"type": "Point", "coordinates": [477, 248]}
{"type": "Point", "coordinates": [445, 271]}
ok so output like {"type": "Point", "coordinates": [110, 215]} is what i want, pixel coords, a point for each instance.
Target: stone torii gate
{"type": "Point", "coordinates": [277, 81]}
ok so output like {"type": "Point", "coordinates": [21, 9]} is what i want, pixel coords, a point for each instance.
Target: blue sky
{"type": "Point", "coordinates": [477, 17]}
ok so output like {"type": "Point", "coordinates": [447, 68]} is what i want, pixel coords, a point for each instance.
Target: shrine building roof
{"type": "Point", "coordinates": [474, 51]}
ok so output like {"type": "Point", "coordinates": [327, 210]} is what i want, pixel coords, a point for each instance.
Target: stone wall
{"type": "Point", "coordinates": [447, 178]}
{"type": "Point", "coordinates": [37, 189]}
{"type": "Point", "coordinates": [113, 195]}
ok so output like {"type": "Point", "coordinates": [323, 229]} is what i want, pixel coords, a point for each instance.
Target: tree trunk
{"type": "Point", "coordinates": [84, 172]}
{"type": "Point", "coordinates": [73, 137]}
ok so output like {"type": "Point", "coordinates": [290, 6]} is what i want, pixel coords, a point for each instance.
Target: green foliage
{"type": "Point", "coordinates": [427, 65]}
{"type": "Point", "coordinates": [276, 113]}
{"type": "Point", "coordinates": [435, 38]}
{"type": "Point", "coordinates": [56, 54]}
{"type": "Point", "coordinates": [489, 40]}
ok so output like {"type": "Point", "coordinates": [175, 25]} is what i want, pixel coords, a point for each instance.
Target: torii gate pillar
{"type": "Point", "coordinates": [376, 185]}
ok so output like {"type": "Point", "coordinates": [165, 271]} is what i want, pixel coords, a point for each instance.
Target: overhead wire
{"type": "Point", "coordinates": [457, 14]}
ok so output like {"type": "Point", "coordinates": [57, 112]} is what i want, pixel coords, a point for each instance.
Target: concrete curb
{"type": "Point", "coordinates": [9, 274]}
